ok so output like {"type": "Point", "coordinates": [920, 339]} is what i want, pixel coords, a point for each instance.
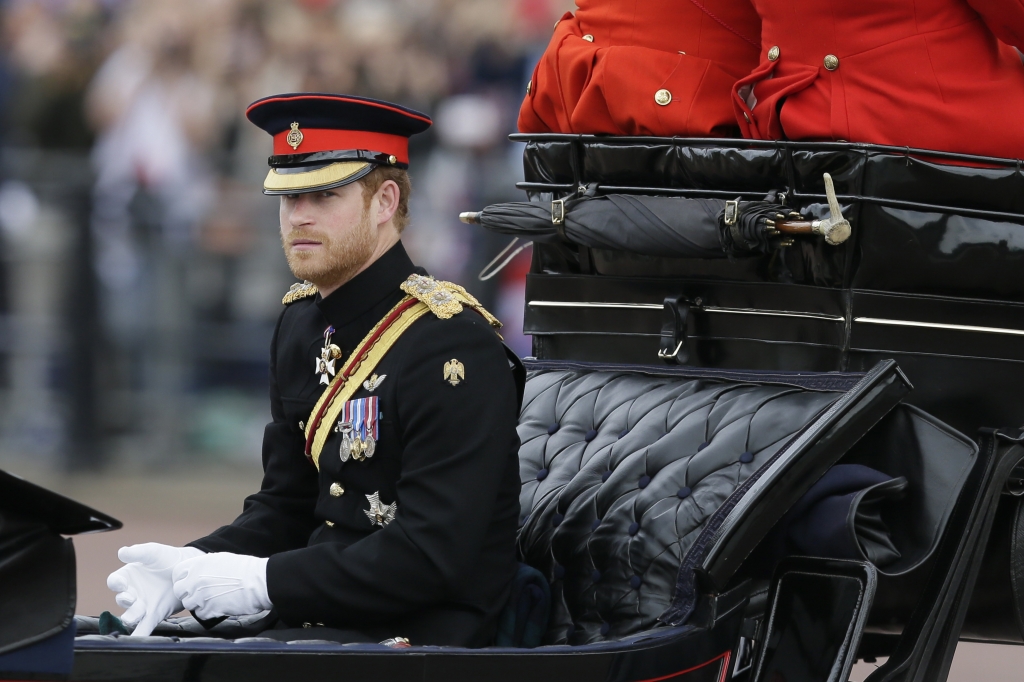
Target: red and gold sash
{"type": "Point", "coordinates": [360, 365]}
{"type": "Point", "coordinates": [424, 294]}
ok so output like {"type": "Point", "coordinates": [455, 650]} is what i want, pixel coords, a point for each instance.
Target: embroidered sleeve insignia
{"type": "Point", "coordinates": [454, 372]}
{"type": "Point", "coordinates": [299, 290]}
{"type": "Point", "coordinates": [444, 298]}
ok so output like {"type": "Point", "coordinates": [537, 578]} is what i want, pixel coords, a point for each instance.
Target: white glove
{"type": "Point", "coordinates": [222, 584]}
{"type": "Point", "coordinates": [143, 585]}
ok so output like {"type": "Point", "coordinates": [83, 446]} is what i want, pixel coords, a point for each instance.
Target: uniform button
{"type": "Point", "coordinates": [392, 159]}
{"type": "Point", "coordinates": [302, 426]}
{"type": "Point", "coordinates": [746, 117]}
{"type": "Point", "coordinates": [337, 490]}
{"type": "Point", "coordinates": [529, 86]}
{"type": "Point", "coordinates": [662, 97]}
{"type": "Point", "coordinates": [831, 62]}
{"type": "Point", "coordinates": [330, 524]}
{"type": "Point", "coordinates": [589, 38]}
{"type": "Point", "coordinates": [773, 53]}
{"type": "Point", "coordinates": [307, 625]}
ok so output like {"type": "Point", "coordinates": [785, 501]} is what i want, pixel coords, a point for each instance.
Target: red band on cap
{"type": "Point", "coordinates": [330, 140]}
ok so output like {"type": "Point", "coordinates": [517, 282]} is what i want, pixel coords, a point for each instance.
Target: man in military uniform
{"type": "Point", "coordinates": [389, 502]}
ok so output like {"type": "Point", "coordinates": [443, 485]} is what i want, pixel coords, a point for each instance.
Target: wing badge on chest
{"type": "Point", "coordinates": [374, 382]}
{"type": "Point", "coordinates": [359, 429]}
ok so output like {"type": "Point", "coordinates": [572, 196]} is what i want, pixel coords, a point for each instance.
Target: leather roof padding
{"type": "Point", "coordinates": [635, 479]}
{"type": "Point", "coordinates": [620, 472]}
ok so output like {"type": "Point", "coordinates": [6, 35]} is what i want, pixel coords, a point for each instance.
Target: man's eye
{"type": "Point", "coordinates": [327, 194]}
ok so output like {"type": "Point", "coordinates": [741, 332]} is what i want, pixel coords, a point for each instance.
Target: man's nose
{"type": "Point", "coordinates": [300, 214]}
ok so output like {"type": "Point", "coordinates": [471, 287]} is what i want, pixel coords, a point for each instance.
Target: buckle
{"type": "Point", "coordinates": [558, 211]}
{"type": "Point", "coordinates": [732, 211]}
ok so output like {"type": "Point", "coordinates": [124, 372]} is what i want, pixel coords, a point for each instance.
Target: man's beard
{"type": "Point", "coordinates": [337, 260]}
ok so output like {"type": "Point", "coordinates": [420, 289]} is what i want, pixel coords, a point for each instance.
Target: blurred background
{"type": "Point", "coordinates": [140, 266]}
{"type": "Point", "coordinates": [141, 270]}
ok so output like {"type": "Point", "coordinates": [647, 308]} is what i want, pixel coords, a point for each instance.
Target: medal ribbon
{"type": "Point", "coordinates": [360, 365]}
{"type": "Point", "coordinates": [362, 415]}
{"type": "Point", "coordinates": [370, 420]}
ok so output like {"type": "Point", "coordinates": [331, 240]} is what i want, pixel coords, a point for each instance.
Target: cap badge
{"type": "Point", "coordinates": [294, 136]}
{"type": "Point", "coordinates": [454, 372]}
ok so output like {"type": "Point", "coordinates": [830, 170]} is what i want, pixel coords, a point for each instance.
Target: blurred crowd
{"type": "Point", "coordinates": [141, 266]}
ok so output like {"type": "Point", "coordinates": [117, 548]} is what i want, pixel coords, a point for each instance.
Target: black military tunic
{"type": "Point", "coordinates": [447, 454]}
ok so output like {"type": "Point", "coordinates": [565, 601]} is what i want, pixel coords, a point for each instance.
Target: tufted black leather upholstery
{"type": "Point", "coordinates": [621, 470]}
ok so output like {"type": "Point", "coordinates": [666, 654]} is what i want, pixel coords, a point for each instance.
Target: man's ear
{"type": "Point", "coordinates": [387, 197]}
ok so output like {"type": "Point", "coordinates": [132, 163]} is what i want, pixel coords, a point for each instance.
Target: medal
{"type": "Point", "coordinates": [345, 451]}
{"type": "Point", "coordinates": [359, 429]}
{"type": "Point", "coordinates": [328, 355]}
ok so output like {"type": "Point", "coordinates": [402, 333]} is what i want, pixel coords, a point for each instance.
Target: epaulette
{"type": "Point", "coordinates": [444, 298]}
{"type": "Point", "coordinates": [299, 290]}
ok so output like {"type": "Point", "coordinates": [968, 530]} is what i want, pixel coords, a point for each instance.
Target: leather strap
{"type": "Point", "coordinates": [674, 317]}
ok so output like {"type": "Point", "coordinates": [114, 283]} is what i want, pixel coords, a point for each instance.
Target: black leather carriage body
{"type": "Point", "coordinates": [932, 276]}
{"type": "Point", "coordinates": [649, 489]}
{"type": "Point", "coordinates": [645, 491]}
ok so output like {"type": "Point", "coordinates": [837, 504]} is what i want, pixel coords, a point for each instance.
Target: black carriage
{"type": "Point", "coordinates": [699, 422]}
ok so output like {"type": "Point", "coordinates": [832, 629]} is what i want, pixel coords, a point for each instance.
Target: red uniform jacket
{"type": "Point", "coordinates": [657, 67]}
{"type": "Point", "coordinates": [935, 74]}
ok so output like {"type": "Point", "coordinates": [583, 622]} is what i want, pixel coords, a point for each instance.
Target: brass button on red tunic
{"type": "Point", "coordinates": [934, 74]}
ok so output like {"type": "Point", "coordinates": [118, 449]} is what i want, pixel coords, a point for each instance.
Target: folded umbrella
{"type": "Point", "coordinates": [675, 227]}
